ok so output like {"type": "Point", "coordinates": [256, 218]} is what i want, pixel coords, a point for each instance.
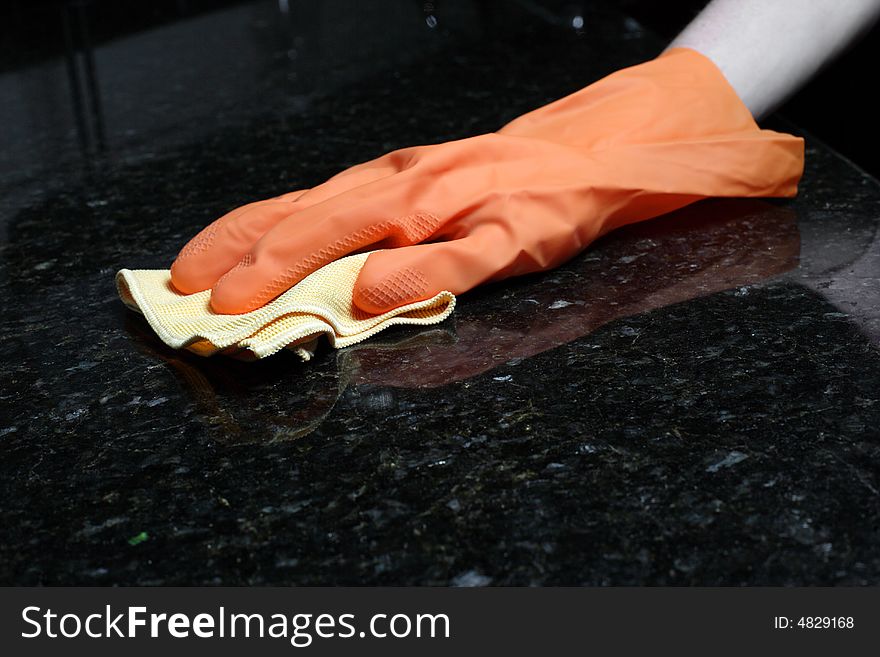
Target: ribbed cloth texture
{"type": "Point", "coordinates": [320, 304]}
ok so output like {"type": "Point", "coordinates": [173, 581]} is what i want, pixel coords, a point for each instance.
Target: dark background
{"type": "Point", "coordinates": [833, 106]}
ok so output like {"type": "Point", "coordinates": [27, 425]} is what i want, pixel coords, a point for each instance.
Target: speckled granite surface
{"type": "Point", "coordinates": [694, 400]}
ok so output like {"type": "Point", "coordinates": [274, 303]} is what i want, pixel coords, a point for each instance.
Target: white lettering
{"type": "Point", "coordinates": [298, 627]}
{"type": "Point", "coordinates": [154, 623]}
{"type": "Point", "coordinates": [113, 625]}
{"type": "Point", "coordinates": [322, 621]}
{"type": "Point", "coordinates": [373, 626]}
{"type": "Point", "coordinates": [49, 616]}
{"type": "Point", "coordinates": [345, 623]}
{"type": "Point", "coordinates": [281, 624]}
{"type": "Point", "coordinates": [203, 626]}
{"type": "Point", "coordinates": [89, 626]}
{"type": "Point", "coordinates": [24, 617]}
{"type": "Point", "coordinates": [394, 620]}
{"type": "Point", "coordinates": [178, 625]}
{"type": "Point", "coordinates": [134, 621]}
{"type": "Point", "coordinates": [247, 620]}
{"type": "Point", "coordinates": [433, 618]}
{"type": "Point", "coordinates": [77, 624]}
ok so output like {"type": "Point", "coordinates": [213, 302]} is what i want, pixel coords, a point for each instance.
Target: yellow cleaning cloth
{"type": "Point", "coordinates": [320, 304]}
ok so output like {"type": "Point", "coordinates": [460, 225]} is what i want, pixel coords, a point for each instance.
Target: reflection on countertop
{"type": "Point", "coordinates": [693, 400]}
{"type": "Point", "coordinates": [709, 247]}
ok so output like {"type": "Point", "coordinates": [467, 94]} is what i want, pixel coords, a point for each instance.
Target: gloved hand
{"type": "Point", "coordinates": [641, 142]}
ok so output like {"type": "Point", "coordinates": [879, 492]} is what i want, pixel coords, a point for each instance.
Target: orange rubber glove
{"type": "Point", "coordinates": [639, 143]}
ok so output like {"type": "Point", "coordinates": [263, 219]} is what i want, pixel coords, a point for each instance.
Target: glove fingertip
{"type": "Point", "coordinates": [378, 290]}
{"type": "Point", "coordinates": [188, 278]}
{"type": "Point", "coordinates": [243, 288]}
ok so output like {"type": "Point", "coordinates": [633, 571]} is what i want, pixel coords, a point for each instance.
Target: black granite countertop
{"type": "Point", "coordinates": [693, 400]}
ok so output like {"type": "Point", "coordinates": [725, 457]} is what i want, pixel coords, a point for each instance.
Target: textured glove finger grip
{"type": "Point", "coordinates": [198, 244]}
{"type": "Point", "coordinates": [397, 289]}
{"type": "Point", "coordinates": [206, 238]}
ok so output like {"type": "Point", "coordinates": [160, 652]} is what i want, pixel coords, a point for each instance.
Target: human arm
{"type": "Point", "coordinates": [768, 49]}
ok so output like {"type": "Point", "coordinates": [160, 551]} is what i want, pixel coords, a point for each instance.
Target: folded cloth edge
{"type": "Point", "coordinates": [321, 304]}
